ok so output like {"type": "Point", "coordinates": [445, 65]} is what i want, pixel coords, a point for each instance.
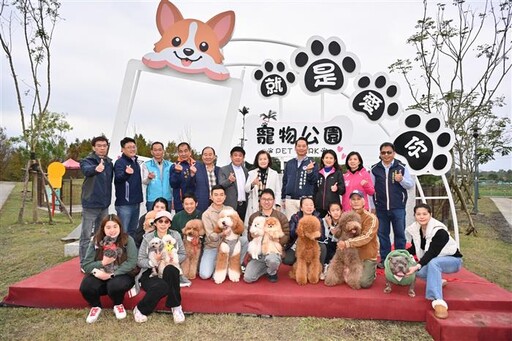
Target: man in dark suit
{"type": "Point", "coordinates": [233, 177]}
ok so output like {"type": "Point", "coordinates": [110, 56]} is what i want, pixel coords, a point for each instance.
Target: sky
{"type": "Point", "coordinates": [96, 39]}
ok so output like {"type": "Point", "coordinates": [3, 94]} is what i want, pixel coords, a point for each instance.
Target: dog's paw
{"type": "Point", "coordinates": [275, 78]}
{"type": "Point", "coordinates": [374, 96]}
{"type": "Point", "coordinates": [219, 278]}
{"type": "Point", "coordinates": [425, 143]}
{"type": "Point", "coordinates": [324, 65]}
{"type": "Point", "coordinates": [387, 289]}
{"type": "Point", "coordinates": [411, 293]}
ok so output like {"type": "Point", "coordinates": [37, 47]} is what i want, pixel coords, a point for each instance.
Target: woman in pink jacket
{"type": "Point", "coordinates": [356, 177]}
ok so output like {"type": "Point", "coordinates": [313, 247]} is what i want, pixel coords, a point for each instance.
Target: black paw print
{"type": "Point", "coordinates": [274, 82]}
{"type": "Point", "coordinates": [325, 64]}
{"type": "Point", "coordinates": [425, 143]}
{"type": "Point", "coordinates": [374, 96]}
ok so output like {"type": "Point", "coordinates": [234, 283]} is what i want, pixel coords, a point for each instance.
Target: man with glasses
{"type": "Point", "coordinates": [392, 180]}
{"type": "Point", "coordinates": [97, 168]}
{"type": "Point", "coordinates": [267, 264]}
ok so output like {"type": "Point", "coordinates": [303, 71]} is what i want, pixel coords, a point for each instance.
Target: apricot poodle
{"type": "Point", "coordinates": [307, 266]}
{"type": "Point", "coordinates": [192, 233]}
{"type": "Point", "coordinates": [346, 266]}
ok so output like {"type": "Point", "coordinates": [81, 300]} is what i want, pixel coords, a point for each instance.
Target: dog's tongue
{"type": "Point", "coordinates": [399, 276]}
{"type": "Point", "coordinates": [190, 238]}
{"type": "Point", "coordinates": [186, 62]}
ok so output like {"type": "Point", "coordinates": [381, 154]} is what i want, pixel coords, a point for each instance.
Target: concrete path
{"type": "Point", "coordinates": [505, 207]}
{"type": "Point", "coordinates": [5, 190]}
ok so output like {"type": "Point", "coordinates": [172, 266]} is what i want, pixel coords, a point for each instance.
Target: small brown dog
{"type": "Point", "coordinates": [148, 222]}
{"type": "Point", "coordinates": [272, 231]}
{"type": "Point", "coordinates": [346, 266]}
{"type": "Point", "coordinates": [307, 266]}
{"type": "Point", "coordinates": [229, 227]}
{"type": "Point", "coordinates": [192, 233]}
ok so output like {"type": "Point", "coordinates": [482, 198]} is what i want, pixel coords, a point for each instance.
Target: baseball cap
{"type": "Point", "coordinates": [358, 192]}
{"type": "Point", "coordinates": [163, 214]}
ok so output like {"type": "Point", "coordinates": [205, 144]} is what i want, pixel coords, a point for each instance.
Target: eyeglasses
{"type": "Point", "coordinates": [388, 152]}
{"type": "Point", "coordinates": [165, 221]}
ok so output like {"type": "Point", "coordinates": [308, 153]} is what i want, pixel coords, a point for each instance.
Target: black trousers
{"type": "Point", "coordinates": [92, 288]}
{"type": "Point", "coordinates": [156, 288]}
{"type": "Point", "coordinates": [242, 210]}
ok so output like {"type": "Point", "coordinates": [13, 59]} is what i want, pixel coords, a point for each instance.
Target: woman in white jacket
{"type": "Point", "coordinates": [437, 252]}
{"type": "Point", "coordinates": [259, 178]}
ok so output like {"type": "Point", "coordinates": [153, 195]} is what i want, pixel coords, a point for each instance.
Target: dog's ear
{"type": "Point", "coordinates": [166, 15]}
{"type": "Point", "coordinates": [200, 227]}
{"type": "Point", "coordinates": [300, 230]}
{"type": "Point", "coordinates": [223, 25]}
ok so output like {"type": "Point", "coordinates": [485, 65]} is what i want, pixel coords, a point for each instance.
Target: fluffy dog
{"type": "Point", "coordinates": [155, 247]}
{"type": "Point", "coordinates": [230, 227]}
{"type": "Point", "coordinates": [190, 45]}
{"type": "Point", "coordinates": [397, 264]}
{"type": "Point", "coordinates": [307, 267]}
{"type": "Point", "coordinates": [192, 233]}
{"type": "Point", "coordinates": [256, 230]}
{"type": "Point", "coordinates": [148, 222]}
{"type": "Point", "coordinates": [272, 232]}
{"type": "Point", "coordinates": [169, 255]}
{"type": "Point", "coordinates": [110, 249]}
{"type": "Point", "coordinates": [346, 266]}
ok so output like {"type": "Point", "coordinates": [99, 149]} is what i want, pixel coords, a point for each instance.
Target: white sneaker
{"type": "Point", "coordinates": [138, 316]}
{"type": "Point", "coordinates": [177, 315]}
{"type": "Point", "coordinates": [93, 315]}
{"type": "Point", "coordinates": [119, 311]}
{"type": "Point", "coordinates": [324, 273]}
{"type": "Point", "coordinates": [184, 281]}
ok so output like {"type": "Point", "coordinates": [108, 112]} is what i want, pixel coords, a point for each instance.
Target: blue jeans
{"type": "Point", "coordinates": [432, 272]}
{"type": "Point", "coordinates": [397, 218]}
{"type": "Point", "coordinates": [129, 215]}
{"type": "Point", "coordinates": [91, 221]}
{"type": "Point", "coordinates": [149, 205]}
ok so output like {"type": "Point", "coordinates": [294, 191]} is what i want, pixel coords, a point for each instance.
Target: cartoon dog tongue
{"type": "Point", "coordinates": [186, 62]}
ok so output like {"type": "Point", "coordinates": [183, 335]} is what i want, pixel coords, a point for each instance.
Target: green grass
{"type": "Point", "coordinates": [28, 249]}
{"type": "Point", "coordinates": [495, 190]}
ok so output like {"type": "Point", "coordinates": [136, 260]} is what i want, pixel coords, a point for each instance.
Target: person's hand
{"type": "Point", "coordinates": [334, 187]}
{"type": "Point", "coordinates": [256, 181]}
{"type": "Point", "coordinates": [334, 230]}
{"type": "Point", "coordinates": [398, 176]}
{"type": "Point", "coordinates": [178, 168]}
{"type": "Point", "coordinates": [232, 177]}
{"type": "Point", "coordinates": [310, 166]}
{"type": "Point", "coordinates": [158, 256]}
{"type": "Point", "coordinates": [193, 169]}
{"type": "Point", "coordinates": [129, 170]}
{"type": "Point", "coordinates": [413, 269]}
{"type": "Point", "coordinates": [100, 274]}
{"type": "Point", "coordinates": [107, 260]}
{"type": "Point", "coordinates": [328, 220]}
{"type": "Point", "coordinates": [341, 245]}
{"type": "Point", "coordinates": [100, 167]}
{"type": "Point", "coordinates": [151, 175]}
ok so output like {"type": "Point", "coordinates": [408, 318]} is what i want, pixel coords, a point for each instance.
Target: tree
{"type": "Point", "coordinates": [37, 20]}
{"type": "Point", "coordinates": [462, 62]}
{"type": "Point", "coordinates": [77, 149]}
{"type": "Point", "coordinates": [6, 152]}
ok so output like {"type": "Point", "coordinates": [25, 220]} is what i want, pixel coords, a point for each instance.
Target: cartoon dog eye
{"type": "Point", "coordinates": [203, 46]}
{"type": "Point", "coordinates": [176, 41]}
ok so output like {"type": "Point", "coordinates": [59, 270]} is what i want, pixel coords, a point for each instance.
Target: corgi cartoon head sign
{"type": "Point", "coordinates": [190, 45]}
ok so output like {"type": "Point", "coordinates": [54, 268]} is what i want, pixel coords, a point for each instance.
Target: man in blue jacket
{"type": "Point", "coordinates": [299, 178]}
{"type": "Point", "coordinates": [392, 180]}
{"type": "Point", "coordinates": [128, 184]}
{"type": "Point", "coordinates": [182, 178]}
{"type": "Point", "coordinates": [155, 175]}
{"type": "Point", "coordinates": [96, 191]}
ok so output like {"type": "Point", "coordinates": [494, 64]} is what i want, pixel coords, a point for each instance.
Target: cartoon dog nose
{"type": "Point", "coordinates": [188, 52]}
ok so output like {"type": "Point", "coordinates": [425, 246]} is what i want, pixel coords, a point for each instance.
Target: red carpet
{"type": "Point", "coordinates": [58, 288]}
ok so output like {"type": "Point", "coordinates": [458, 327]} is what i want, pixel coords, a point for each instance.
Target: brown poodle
{"type": "Point", "coordinates": [307, 267]}
{"type": "Point", "coordinates": [229, 227]}
{"type": "Point", "coordinates": [346, 266]}
{"type": "Point", "coordinates": [148, 222]}
{"type": "Point", "coordinates": [272, 231]}
{"type": "Point", "coordinates": [192, 233]}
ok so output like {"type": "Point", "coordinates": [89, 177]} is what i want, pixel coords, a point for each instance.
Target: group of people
{"type": "Point", "coordinates": [201, 190]}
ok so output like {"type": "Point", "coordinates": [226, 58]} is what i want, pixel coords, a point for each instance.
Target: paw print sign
{"type": "Point", "coordinates": [275, 78]}
{"type": "Point", "coordinates": [324, 65]}
{"type": "Point", "coordinates": [424, 143]}
{"type": "Point", "coordinates": [375, 97]}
